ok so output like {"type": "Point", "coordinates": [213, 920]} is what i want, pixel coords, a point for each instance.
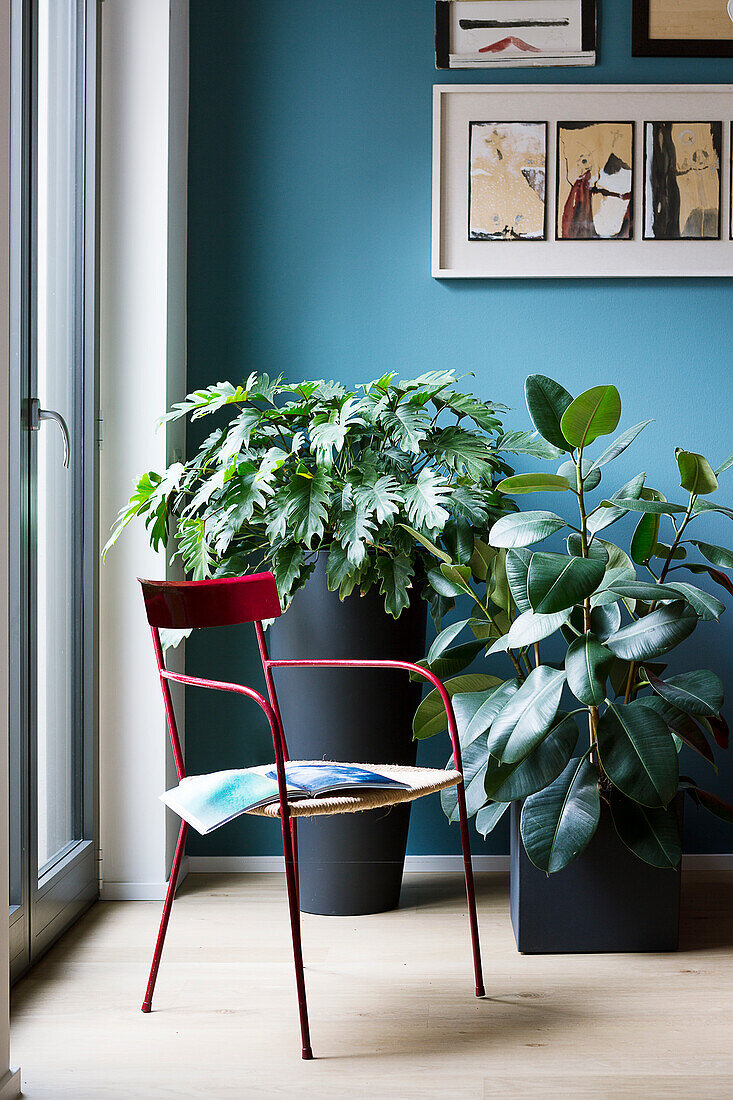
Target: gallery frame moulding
{"type": "Point", "coordinates": [455, 106]}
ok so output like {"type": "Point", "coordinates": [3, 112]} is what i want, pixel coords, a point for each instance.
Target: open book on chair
{"type": "Point", "coordinates": [208, 801]}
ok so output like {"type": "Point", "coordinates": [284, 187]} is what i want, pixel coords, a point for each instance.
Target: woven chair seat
{"type": "Point", "coordinates": [422, 781]}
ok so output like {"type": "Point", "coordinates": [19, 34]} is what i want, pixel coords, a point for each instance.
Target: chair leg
{"type": "Point", "coordinates": [470, 892]}
{"type": "Point", "coordinates": [294, 907]}
{"type": "Point", "coordinates": [168, 905]}
{"type": "Point", "coordinates": [294, 841]}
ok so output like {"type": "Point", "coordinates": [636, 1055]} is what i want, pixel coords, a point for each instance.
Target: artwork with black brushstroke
{"type": "Point", "coordinates": [595, 181]}
{"type": "Point", "coordinates": [682, 181]}
{"type": "Point", "coordinates": [507, 173]}
{"type": "Point", "coordinates": [479, 33]}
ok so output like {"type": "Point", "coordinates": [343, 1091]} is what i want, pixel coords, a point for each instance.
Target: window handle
{"type": "Point", "coordinates": [36, 414]}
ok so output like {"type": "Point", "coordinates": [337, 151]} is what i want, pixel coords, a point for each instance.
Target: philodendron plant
{"type": "Point", "coordinates": [291, 469]}
{"type": "Point", "coordinates": [614, 615]}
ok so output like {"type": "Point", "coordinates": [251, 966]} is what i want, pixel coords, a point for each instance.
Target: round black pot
{"type": "Point", "coordinates": [350, 863]}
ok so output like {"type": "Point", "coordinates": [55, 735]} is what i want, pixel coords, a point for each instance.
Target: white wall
{"type": "Point", "coordinates": [9, 1079]}
{"type": "Point", "coordinates": [144, 101]}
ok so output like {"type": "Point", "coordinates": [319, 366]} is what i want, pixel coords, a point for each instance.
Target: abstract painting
{"type": "Point", "coordinates": [508, 162]}
{"type": "Point", "coordinates": [682, 28]}
{"type": "Point", "coordinates": [595, 181]}
{"type": "Point", "coordinates": [682, 180]}
{"type": "Point", "coordinates": [491, 33]}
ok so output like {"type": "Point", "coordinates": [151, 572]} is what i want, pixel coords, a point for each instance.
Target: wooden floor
{"type": "Point", "coordinates": [391, 1000]}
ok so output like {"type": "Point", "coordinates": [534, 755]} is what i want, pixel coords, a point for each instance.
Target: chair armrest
{"type": "Point", "coordinates": [407, 666]}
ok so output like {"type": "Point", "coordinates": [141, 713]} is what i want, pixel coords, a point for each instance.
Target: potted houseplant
{"type": "Point", "coordinates": [581, 742]}
{"type": "Point", "coordinates": [333, 490]}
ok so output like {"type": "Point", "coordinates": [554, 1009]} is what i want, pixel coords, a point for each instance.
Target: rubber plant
{"type": "Point", "coordinates": [289, 470]}
{"type": "Point", "coordinates": [612, 616]}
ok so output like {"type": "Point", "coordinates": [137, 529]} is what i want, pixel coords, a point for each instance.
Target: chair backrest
{"type": "Point", "coordinates": [227, 601]}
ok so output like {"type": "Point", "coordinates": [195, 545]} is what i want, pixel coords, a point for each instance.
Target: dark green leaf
{"type": "Point", "coordinates": [593, 413]}
{"type": "Point", "coordinates": [481, 559]}
{"type": "Point", "coordinates": [559, 822]}
{"type": "Point", "coordinates": [655, 634]}
{"type": "Point", "coordinates": [587, 664]}
{"type": "Point", "coordinates": [458, 540]}
{"type": "Point", "coordinates": [454, 660]}
{"type": "Point", "coordinates": [476, 710]}
{"type": "Point", "coordinates": [652, 507]}
{"type": "Point", "coordinates": [725, 465]}
{"type": "Point", "coordinates": [644, 539]}
{"type": "Point", "coordinates": [681, 725]}
{"type": "Point", "coordinates": [547, 400]}
{"type": "Point", "coordinates": [620, 443]}
{"type": "Point", "coordinates": [524, 528]}
{"type": "Point", "coordinates": [517, 566]}
{"type": "Point", "coordinates": [473, 770]}
{"type": "Point", "coordinates": [556, 582]}
{"type": "Point", "coordinates": [649, 591]}
{"type": "Point", "coordinates": [699, 692]}
{"type": "Point", "coordinates": [288, 564]}
{"type": "Point", "coordinates": [526, 443]}
{"type": "Point", "coordinates": [651, 834]}
{"type": "Point", "coordinates": [447, 637]}
{"type": "Point", "coordinates": [718, 555]}
{"type": "Point", "coordinates": [530, 627]}
{"type": "Point", "coordinates": [591, 476]}
{"type": "Point", "coordinates": [395, 576]}
{"type": "Point", "coordinates": [528, 716]}
{"type": "Point", "coordinates": [540, 768]}
{"type": "Point", "coordinates": [489, 817]}
{"type": "Point", "coordinates": [712, 803]}
{"type": "Point", "coordinates": [638, 753]}
{"type": "Point", "coordinates": [696, 475]}
{"type": "Point", "coordinates": [603, 517]}
{"type": "Point", "coordinates": [427, 543]}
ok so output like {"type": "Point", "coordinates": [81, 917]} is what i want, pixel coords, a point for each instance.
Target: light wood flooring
{"type": "Point", "coordinates": [391, 1002]}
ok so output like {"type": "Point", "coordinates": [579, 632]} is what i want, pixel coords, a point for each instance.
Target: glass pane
{"type": "Point", "coordinates": [56, 291]}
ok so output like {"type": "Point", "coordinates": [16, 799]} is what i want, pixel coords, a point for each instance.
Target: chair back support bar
{"type": "Point", "coordinates": [229, 601]}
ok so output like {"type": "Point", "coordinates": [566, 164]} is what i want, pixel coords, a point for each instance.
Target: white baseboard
{"type": "Point", "coordinates": [155, 891]}
{"type": "Point", "coordinates": [10, 1085]}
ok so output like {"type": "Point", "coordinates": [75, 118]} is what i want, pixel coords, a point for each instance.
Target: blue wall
{"type": "Point", "coordinates": [309, 253]}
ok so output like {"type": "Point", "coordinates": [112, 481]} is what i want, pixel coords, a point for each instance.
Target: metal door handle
{"type": "Point", "coordinates": [36, 414]}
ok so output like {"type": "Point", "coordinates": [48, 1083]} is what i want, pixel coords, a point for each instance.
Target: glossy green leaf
{"type": "Point", "coordinates": [715, 574]}
{"type": "Point", "coordinates": [556, 582]}
{"type": "Point", "coordinates": [644, 538]}
{"type": "Point", "coordinates": [638, 754]}
{"type": "Point", "coordinates": [529, 627]}
{"type": "Point", "coordinates": [517, 566]}
{"type": "Point", "coordinates": [445, 586]}
{"type": "Point", "coordinates": [476, 710]}
{"type": "Point", "coordinates": [526, 443]}
{"type": "Point", "coordinates": [655, 634]}
{"type": "Point", "coordinates": [558, 822]}
{"type": "Point", "coordinates": [473, 769]}
{"type": "Point", "coordinates": [498, 586]}
{"type": "Point", "coordinates": [481, 559]}
{"type": "Point", "coordinates": [619, 445]}
{"type": "Point", "coordinates": [696, 474]}
{"type": "Point", "coordinates": [456, 659]}
{"type": "Point", "coordinates": [699, 692]}
{"type": "Point", "coordinates": [457, 537]}
{"type": "Point", "coordinates": [592, 414]}
{"type": "Point", "coordinates": [604, 621]}
{"type": "Point", "coordinates": [718, 555]}
{"type": "Point", "coordinates": [489, 817]}
{"type": "Point", "coordinates": [664, 550]}
{"type": "Point", "coordinates": [587, 664]}
{"type": "Point", "coordinates": [652, 507]}
{"type": "Point", "coordinates": [591, 476]}
{"type": "Point", "coordinates": [603, 517]}
{"type": "Point", "coordinates": [648, 591]}
{"type": "Point", "coordinates": [706, 606]}
{"type": "Point", "coordinates": [427, 543]}
{"type": "Point", "coordinates": [524, 528]}
{"type": "Point", "coordinates": [597, 549]}
{"type": "Point", "coordinates": [528, 716]}
{"type": "Point", "coordinates": [446, 638]}
{"type": "Point", "coordinates": [533, 483]}
{"type": "Point", "coordinates": [430, 717]}
{"type": "Point", "coordinates": [395, 577]}
{"type": "Point", "coordinates": [540, 768]}
{"type": "Point", "coordinates": [651, 834]}
{"type": "Point", "coordinates": [681, 725]}
{"type": "Point", "coordinates": [547, 400]}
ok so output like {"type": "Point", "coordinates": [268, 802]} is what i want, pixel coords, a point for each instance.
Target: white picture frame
{"type": "Point", "coordinates": [455, 106]}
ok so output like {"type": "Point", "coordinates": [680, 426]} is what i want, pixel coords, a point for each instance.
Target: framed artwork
{"type": "Point", "coordinates": [683, 28]}
{"type": "Point", "coordinates": [595, 172]}
{"type": "Point", "coordinates": [489, 34]}
{"type": "Point", "coordinates": [682, 172]}
{"type": "Point", "coordinates": [537, 181]}
{"type": "Point", "coordinates": [507, 173]}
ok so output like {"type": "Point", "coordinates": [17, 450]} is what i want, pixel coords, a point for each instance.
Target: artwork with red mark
{"type": "Point", "coordinates": [505, 43]}
{"type": "Point", "coordinates": [595, 180]}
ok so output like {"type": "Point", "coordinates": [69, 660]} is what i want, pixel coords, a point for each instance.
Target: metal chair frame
{"type": "Point", "coordinates": [233, 601]}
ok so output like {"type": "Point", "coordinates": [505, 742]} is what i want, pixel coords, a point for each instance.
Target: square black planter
{"type": "Point", "coordinates": [607, 900]}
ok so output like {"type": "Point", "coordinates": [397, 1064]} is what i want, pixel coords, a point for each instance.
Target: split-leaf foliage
{"type": "Point", "coordinates": [603, 725]}
{"type": "Point", "coordinates": [375, 477]}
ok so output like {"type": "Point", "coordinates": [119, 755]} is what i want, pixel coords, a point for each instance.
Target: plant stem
{"type": "Point", "coordinates": [678, 536]}
{"type": "Point", "coordinates": [537, 660]}
{"type": "Point", "coordinates": [592, 711]}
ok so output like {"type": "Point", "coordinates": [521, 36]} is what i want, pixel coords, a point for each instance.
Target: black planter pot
{"type": "Point", "coordinates": [351, 863]}
{"type": "Point", "coordinates": [607, 900]}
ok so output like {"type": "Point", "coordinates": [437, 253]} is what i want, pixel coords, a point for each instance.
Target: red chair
{"type": "Point", "coordinates": [228, 602]}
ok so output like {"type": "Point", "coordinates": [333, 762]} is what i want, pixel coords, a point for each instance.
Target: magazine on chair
{"type": "Point", "coordinates": [208, 801]}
